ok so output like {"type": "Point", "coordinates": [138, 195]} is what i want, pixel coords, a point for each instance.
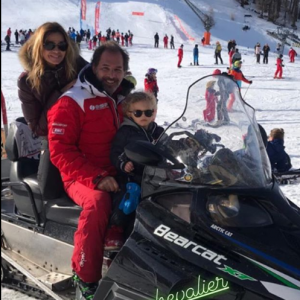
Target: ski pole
{"type": "Point", "coordinates": [246, 91]}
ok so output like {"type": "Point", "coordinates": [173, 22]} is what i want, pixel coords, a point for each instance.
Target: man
{"type": "Point", "coordinates": [266, 50]}
{"type": "Point", "coordinates": [156, 40]}
{"type": "Point", "coordinates": [196, 55]}
{"type": "Point", "coordinates": [82, 125]}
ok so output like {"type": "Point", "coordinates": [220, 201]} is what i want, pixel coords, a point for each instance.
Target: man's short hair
{"type": "Point", "coordinates": [111, 47]}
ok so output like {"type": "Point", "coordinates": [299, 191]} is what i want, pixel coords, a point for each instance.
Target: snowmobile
{"type": "Point", "coordinates": [212, 222]}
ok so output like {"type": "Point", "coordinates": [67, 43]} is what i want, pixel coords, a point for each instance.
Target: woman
{"type": "Point", "coordinates": [51, 62]}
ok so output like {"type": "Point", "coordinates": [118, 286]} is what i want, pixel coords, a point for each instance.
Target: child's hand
{"type": "Point", "coordinates": [129, 167]}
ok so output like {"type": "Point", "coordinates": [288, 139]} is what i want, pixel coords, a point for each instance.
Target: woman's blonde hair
{"type": "Point", "coordinates": [138, 97]}
{"type": "Point", "coordinates": [31, 54]}
{"type": "Point", "coordinates": [277, 133]}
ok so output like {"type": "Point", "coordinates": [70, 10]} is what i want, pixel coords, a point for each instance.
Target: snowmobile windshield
{"type": "Point", "coordinates": [216, 138]}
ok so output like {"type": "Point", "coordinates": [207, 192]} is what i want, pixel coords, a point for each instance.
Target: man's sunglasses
{"type": "Point", "coordinates": [62, 46]}
{"type": "Point", "coordinates": [138, 113]}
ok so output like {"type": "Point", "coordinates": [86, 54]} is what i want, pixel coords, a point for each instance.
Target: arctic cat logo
{"type": "Point", "coordinates": [167, 234]}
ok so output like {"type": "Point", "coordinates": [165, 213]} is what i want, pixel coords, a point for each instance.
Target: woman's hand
{"type": "Point", "coordinates": [129, 167]}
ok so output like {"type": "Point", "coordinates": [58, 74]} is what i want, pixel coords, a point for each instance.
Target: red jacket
{"type": "Point", "coordinates": [292, 53]}
{"type": "Point", "coordinates": [279, 62]}
{"type": "Point", "coordinates": [82, 125]}
{"type": "Point", "coordinates": [180, 52]}
{"type": "Point", "coordinates": [151, 86]}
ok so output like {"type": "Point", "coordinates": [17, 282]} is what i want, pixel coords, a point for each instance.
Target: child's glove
{"type": "Point", "coordinates": [131, 198]}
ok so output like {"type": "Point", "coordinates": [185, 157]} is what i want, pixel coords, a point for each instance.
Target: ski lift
{"type": "Point", "coordinates": [246, 22]}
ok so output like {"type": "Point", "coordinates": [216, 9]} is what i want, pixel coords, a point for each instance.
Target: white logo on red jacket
{"type": "Point", "coordinates": [58, 131]}
{"type": "Point", "coordinates": [99, 106]}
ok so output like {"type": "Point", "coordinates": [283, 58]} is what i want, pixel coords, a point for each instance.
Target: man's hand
{"type": "Point", "coordinates": [108, 184]}
{"type": "Point", "coordinates": [129, 167]}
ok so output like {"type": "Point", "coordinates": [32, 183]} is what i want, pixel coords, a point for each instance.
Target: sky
{"type": "Point", "coordinates": [276, 101]}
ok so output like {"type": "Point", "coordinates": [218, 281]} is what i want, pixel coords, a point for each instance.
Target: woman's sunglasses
{"type": "Point", "coordinates": [138, 113]}
{"type": "Point", "coordinates": [62, 46]}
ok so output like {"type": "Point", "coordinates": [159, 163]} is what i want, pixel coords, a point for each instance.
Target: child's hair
{"type": "Point", "coordinates": [138, 97]}
{"type": "Point", "coordinates": [277, 133]}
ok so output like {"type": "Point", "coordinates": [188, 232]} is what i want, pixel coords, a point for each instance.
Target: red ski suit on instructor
{"type": "Point", "coordinates": [82, 125]}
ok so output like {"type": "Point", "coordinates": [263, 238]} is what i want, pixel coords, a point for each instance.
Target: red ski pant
{"type": "Point", "coordinates": [209, 112]}
{"type": "Point", "coordinates": [179, 60]}
{"type": "Point", "coordinates": [230, 102]}
{"type": "Point", "coordinates": [87, 257]}
{"type": "Point", "coordinates": [292, 58]}
{"type": "Point", "coordinates": [278, 72]}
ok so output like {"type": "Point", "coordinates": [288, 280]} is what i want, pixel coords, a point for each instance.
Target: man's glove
{"type": "Point", "coordinates": [250, 82]}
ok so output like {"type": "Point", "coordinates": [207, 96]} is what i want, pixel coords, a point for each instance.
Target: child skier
{"type": "Point", "coordinates": [238, 74]}
{"type": "Point", "coordinates": [150, 82]}
{"type": "Point", "coordinates": [211, 100]}
{"type": "Point", "coordinates": [139, 113]}
{"type": "Point", "coordinates": [279, 64]}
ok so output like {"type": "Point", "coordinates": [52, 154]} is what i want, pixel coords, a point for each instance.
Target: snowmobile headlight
{"type": "Point", "coordinates": [225, 205]}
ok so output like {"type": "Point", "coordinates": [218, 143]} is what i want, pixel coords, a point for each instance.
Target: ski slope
{"type": "Point", "coordinates": [277, 102]}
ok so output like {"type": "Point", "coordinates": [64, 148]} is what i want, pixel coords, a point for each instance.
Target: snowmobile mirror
{"type": "Point", "coordinates": [145, 153]}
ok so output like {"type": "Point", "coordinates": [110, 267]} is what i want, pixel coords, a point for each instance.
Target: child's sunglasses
{"type": "Point", "coordinates": [62, 46]}
{"type": "Point", "coordinates": [138, 113]}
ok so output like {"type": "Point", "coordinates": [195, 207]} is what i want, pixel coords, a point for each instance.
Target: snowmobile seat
{"type": "Point", "coordinates": [30, 200]}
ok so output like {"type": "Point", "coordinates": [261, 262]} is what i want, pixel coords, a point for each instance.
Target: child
{"type": "Point", "coordinates": [279, 64]}
{"type": "Point", "coordinates": [238, 74]}
{"type": "Point", "coordinates": [150, 82]}
{"type": "Point", "coordinates": [279, 159]}
{"type": "Point", "coordinates": [139, 112]}
{"type": "Point", "coordinates": [211, 100]}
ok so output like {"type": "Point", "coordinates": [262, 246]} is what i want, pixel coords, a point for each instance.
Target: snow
{"type": "Point", "coordinates": [277, 102]}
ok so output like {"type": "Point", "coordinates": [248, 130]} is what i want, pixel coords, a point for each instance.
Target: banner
{"type": "Point", "coordinates": [97, 17]}
{"type": "Point", "coordinates": [137, 13]}
{"type": "Point", "coordinates": [83, 9]}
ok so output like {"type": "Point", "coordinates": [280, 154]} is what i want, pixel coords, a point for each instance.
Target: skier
{"type": "Point", "coordinates": [9, 32]}
{"type": "Point", "coordinates": [203, 41]}
{"type": "Point", "coordinates": [88, 35]}
{"type": "Point", "coordinates": [292, 54]}
{"type": "Point", "coordinates": [17, 37]}
{"type": "Point", "coordinates": [257, 52]}
{"type": "Point", "coordinates": [279, 64]}
{"type": "Point", "coordinates": [94, 42]}
{"type": "Point", "coordinates": [266, 50]}
{"type": "Point", "coordinates": [172, 42]}
{"type": "Point", "coordinates": [180, 56]}
{"type": "Point", "coordinates": [196, 55]}
{"type": "Point", "coordinates": [122, 39]}
{"type": "Point", "coordinates": [118, 36]}
{"type": "Point", "coordinates": [139, 112]}
{"type": "Point", "coordinates": [166, 39]}
{"type": "Point", "coordinates": [156, 40]}
{"type": "Point", "coordinates": [211, 100]}
{"type": "Point", "coordinates": [229, 46]}
{"type": "Point", "coordinates": [7, 40]}
{"type": "Point", "coordinates": [218, 50]}
{"type": "Point", "coordinates": [231, 53]}
{"type": "Point", "coordinates": [78, 39]}
{"type": "Point", "coordinates": [126, 37]}
{"type": "Point", "coordinates": [279, 159]}
{"type": "Point", "coordinates": [238, 74]}
{"type": "Point", "coordinates": [236, 56]}
{"type": "Point", "coordinates": [150, 82]}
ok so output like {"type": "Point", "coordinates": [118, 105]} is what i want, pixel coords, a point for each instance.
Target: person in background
{"type": "Point", "coordinates": [236, 56]}
{"type": "Point", "coordinates": [82, 125]}
{"type": "Point", "coordinates": [211, 100]}
{"type": "Point", "coordinates": [218, 50]}
{"type": "Point", "coordinates": [266, 50]}
{"type": "Point", "coordinates": [292, 54]}
{"type": "Point", "coordinates": [139, 110]}
{"type": "Point", "coordinates": [280, 65]}
{"type": "Point", "coordinates": [156, 40]}
{"type": "Point", "coordinates": [231, 53]}
{"type": "Point", "coordinates": [172, 42]}
{"type": "Point", "coordinates": [150, 82]}
{"type": "Point", "coordinates": [280, 160]}
{"type": "Point", "coordinates": [203, 41]}
{"type": "Point", "coordinates": [257, 52]}
{"type": "Point", "coordinates": [166, 39]}
{"type": "Point", "coordinates": [17, 36]}
{"type": "Point", "coordinates": [180, 56]}
{"type": "Point", "coordinates": [196, 55]}
{"type": "Point", "coordinates": [7, 40]}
